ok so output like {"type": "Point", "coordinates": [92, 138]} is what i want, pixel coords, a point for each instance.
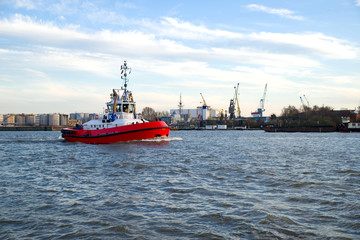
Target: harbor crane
{"type": "Point", "coordinates": [259, 113]}
{"type": "Point", "coordinates": [204, 108]}
{"type": "Point", "coordinates": [262, 101]}
{"type": "Point", "coordinates": [235, 100]}
{"type": "Point", "coordinates": [305, 106]}
{"type": "Point", "coordinates": [308, 104]}
{"type": "Point", "coordinates": [204, 102]}
{"type": "Point", "coordinates": [302, 102]}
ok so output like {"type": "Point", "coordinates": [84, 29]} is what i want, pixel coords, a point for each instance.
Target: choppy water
{"type": "Point", "coordinates": [195, 185]}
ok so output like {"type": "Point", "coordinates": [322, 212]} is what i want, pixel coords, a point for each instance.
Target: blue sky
{"type": "Point", "coordinates": [64, 56]}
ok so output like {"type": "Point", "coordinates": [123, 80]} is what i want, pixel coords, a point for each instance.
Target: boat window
{"type": "Point", "coordinates": [126, 107]}
{"type": "Point", "coordinates": [109, 108]}
{"type": "Point", "coordinates": [118, 107]}
{"type": "Point", "coordinates": [131, 108]}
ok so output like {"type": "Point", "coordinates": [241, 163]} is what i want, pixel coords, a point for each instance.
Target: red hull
{"type": "Point", "coordinates": [349, 130]}
{"type": "Point", "coordinates": [118, 134]}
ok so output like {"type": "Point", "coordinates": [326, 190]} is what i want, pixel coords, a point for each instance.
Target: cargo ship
{"type": "Point", "coordinates": [119, 122]}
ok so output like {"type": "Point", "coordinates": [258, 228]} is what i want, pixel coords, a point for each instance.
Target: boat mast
{"type": "Point", "coordinates": [124, 75]}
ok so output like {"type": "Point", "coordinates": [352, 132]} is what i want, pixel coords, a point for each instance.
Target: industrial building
{"type": "Point", "coordinates": [8, 120]}
{"type": "Point", "coordinates": [30, 120]}
{"type": "Point", "coordinates": [47, 119]}
{"type": "Point", "coordinates": [83, 117]}
{"type": "Point", "coordinates": [194, 114]}
{"type": "Point", "coordinates": [11, 120]}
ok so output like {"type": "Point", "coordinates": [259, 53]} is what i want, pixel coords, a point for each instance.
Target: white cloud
{"type": "Point", "coordinates": [357, 2]}
{"type": "Point", "coordinates": [172, 27]}
{"type": "Point", "coordinates": [253, 56]}
{"type": "Point", "coordinates": [163, 53]}
{"type": "Point", "coordinates": [125, 5]}
{"type": "Point", "coordinates": [318, 43]}
{"type": "Point", "coordinates": [25, 28]}
{"type": "Point", "coordinates": [276, 11]}
{"type": "Point", "coordinates": [28, 4]}
{"type": "Point", "coordinates": [68, 48]}
{"type": "Point", "coordinates": [343, 80]}
{"type": "Point", "coordinates": [141, 43]}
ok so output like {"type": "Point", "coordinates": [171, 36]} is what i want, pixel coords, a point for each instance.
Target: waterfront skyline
{"type": "Point", "coordinates": [66, 56]}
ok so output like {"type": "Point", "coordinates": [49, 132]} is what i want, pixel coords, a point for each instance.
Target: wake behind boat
{"type": "Point", "coordinates": [119, 123]}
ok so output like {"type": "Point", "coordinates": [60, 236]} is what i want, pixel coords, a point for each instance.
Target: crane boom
{"type": "Point", "coordinates": [237, 99]}
{"type": "Point", "coordinates": [262, 101]}
{"type": "Point", "coordinates": [258, 115]}
{"type": "Point", "coordinates": [308, 104]}
{"type": "Point", "coordinates": [204, 102]}
{"type": "Point", "coordinates": [302, 102]}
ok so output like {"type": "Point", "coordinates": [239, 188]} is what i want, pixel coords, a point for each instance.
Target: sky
{"type": "Point", "coordinates": [65, 56]}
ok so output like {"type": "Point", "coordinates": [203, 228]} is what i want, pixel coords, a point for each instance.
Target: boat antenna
{"type": "Point", "coordinates": [124, 73]}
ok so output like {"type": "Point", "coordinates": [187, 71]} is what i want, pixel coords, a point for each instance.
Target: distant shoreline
{"type": "Point", "coordinates": [32, 128]}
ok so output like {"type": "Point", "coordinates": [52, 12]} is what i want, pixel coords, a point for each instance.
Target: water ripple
{"type": "Point", "coordinates": [192, 185]}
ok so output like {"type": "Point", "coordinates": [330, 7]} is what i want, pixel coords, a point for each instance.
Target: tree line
{"type": "Point", "coordinates": [150, 114]}
{"type": "Point", "coordinates": [306, 116]}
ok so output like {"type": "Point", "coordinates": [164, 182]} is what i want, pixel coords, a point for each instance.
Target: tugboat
{"type": "Point", "coordinates": [119, 123]}
{"type": "Point", "coordinates": [350, 127]}
{"type": "Point", "coordinates": [351, 123]}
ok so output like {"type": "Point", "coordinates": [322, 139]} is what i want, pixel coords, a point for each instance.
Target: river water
{"type": "Point", "coordinates": [193, 185]}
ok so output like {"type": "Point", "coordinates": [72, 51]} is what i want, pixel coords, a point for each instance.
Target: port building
{"type": "Point", "coordinates": [194, 114]}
